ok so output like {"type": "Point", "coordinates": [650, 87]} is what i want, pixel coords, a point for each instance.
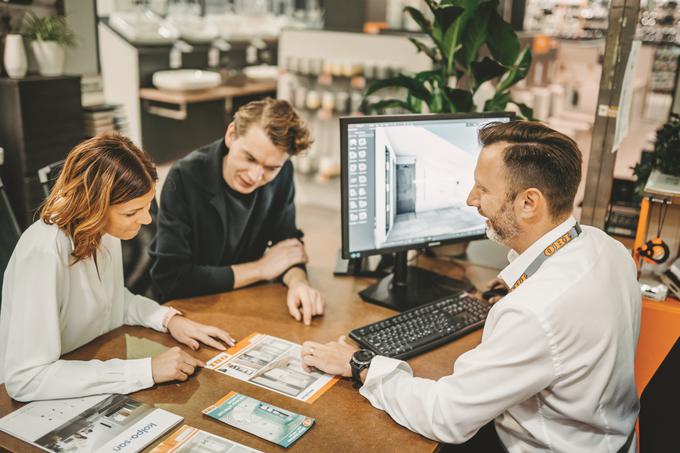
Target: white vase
{"type": "Point", "coordinates": [15, 57]}
{"type": "Point", "coordinates": [50, 57]}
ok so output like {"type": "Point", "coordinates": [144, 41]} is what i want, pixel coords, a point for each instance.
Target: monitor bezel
{"type": "Point", "coordinates": [345, 121]}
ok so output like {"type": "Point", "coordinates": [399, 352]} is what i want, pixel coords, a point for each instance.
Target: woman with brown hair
{"type": "Point", "coordinates": [63, 286]}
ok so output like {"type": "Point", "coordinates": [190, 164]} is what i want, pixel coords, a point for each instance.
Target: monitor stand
{"type": "Point", "coordinates": [408, 287]}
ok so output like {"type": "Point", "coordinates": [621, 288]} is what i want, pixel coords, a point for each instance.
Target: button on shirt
{"type": "Point", "coordinates": [555, 365]}
{"type": "Point", "coordinates": [50, 308]}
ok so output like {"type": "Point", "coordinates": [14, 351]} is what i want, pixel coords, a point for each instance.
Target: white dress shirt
{"type": "Point", "coordinates": [50, 308]}
{"type": "Point", "coordinates": [555, 365]}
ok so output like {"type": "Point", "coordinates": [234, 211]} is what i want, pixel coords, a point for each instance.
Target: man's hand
{"type": "Point", "coordinates": [331, 358]}
{"type": "Point", "coordinates": [304, 301]}
{"type": "Point", "coordinates": [494, 284]}
{"type": "Point", "coordinates": [191, 333]}
{"type": "Point", "coordinates": [173, 364]}
{"type": "Point", "coordinates": [281, 257]}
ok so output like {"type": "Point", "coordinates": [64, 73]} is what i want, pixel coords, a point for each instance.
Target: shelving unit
{"type": "Point", "coordinates": [42, 121]}
{"type": "Point", "coordinates": [324, 88]}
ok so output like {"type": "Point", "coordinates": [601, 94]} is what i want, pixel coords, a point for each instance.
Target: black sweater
{"type": "Point", "coordinates": [204, 227]}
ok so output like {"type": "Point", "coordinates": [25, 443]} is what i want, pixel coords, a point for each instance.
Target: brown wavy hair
{"type": "Point", "coordinates": [280, 121]}
{"type": "Point", "coordinates": [100, 172]}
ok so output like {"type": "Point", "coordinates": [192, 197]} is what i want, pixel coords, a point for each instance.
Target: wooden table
{"type": "Point", "coordinates": [346, 422]}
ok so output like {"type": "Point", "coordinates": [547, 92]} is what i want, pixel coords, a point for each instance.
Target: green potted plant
{"type": "Point", "coordinates": [476, 59]}
{"type": "Point", "coordinates": [49, 36]}
{"type": "Point", "coordinates": [665, 157]}
{"type": "Point", "coordinates": [465, 77]}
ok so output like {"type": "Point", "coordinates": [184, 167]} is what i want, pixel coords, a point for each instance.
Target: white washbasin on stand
{"type": "Point", "coordinates": [186, 79]}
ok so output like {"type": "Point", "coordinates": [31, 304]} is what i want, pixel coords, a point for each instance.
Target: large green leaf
{"type": "Point", "coordinates": [433, 76]}
{"type": "Point", "coordinates": [424, 24]}
{"type": "Point", "coordinates": [429, 51]}
{"type": "Point", "coordinates": [487, 69]}
{"type": "Point", "coordinates": [414, 103]}
{"type": "Point", "coordinates": [502, 40]}
{"type": "Point", "coordinates": [447, 15]}
{"type": "Point", "coordinates": [380, 106]}
{"type": "Point", "coordinates": [474, 33]}
{"type": "Point", "coordinates": [460, 99]}
{"type": "Point", "coordinates": [411, 84]}
{"type": "Point", "coordinates": [436, 104]}
{"type": "Point", "coordinates": [526, 111]}
{"type": "Point", "coordinates": [469, 6]}
{"type": "Point", "coordinates": [433, 5]}
{"type": "Point", "coordinates": [498, 102]}
{"type": "Point", "coordinates": [464, 10]}
{"type": "Point", "coordinates": [517, 72]}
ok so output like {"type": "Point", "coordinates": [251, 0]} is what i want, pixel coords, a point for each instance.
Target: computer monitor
{"type": "Point", "coordinates": [405, 182]}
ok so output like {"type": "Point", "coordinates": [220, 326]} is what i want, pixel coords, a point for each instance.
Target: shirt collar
{"type": "Point", "coordinates": [520, 262]}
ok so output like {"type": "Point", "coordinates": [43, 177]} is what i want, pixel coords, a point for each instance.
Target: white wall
{"type": "Point", "coordinates": [444, 172]}
{"type": "Point", "coordinates": [120, 74]}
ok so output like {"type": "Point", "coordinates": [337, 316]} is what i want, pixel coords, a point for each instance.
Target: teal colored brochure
{"type": "Point", "coordinates": [264, 420]}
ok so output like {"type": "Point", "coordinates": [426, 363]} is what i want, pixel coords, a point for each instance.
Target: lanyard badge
{"type": "Point", "coordinates": [549, 251]}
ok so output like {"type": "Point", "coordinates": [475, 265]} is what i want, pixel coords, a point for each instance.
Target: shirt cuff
{"type": "Point", "coordinates": [380, 368]}
{"type": "Point", "coordinates": [157, 318]}
{"type": "Point", "coordinates": [138, 374]}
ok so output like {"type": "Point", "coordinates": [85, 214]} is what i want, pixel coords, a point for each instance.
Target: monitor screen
{"type": "Point", "coordinates": [406, 178]}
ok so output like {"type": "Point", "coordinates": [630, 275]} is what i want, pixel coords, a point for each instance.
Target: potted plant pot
{"type": "Point", "coordinates": [49, 36]}
{"type": "Point", "coordinates": [50, 57]}
{"type": "Point", "coordinates": [15, 56]}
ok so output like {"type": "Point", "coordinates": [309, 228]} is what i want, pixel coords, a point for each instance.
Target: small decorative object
{"type": "Point", "coordinates": [15, 56]}
{"type": "Point", "coordinates": [49, 36]}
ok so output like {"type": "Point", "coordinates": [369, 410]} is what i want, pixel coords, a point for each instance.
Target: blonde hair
{"type": "Point", "coordinates": [280, 121]}
{"type": "Point", "coordinates": [105, 170]}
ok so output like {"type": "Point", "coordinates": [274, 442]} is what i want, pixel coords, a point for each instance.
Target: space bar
{"type": "Point", "coordinates": [425, 340]}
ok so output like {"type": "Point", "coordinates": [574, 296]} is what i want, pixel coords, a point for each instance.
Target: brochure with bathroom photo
{"type": "Point", "coordinates": [264, 420]}
{"type": "Point", "coordinates": [101, 423]}
{"type": "Point", "coordinates": [192, 440]}
{"type": "Point", "coordinates": [272, 363]}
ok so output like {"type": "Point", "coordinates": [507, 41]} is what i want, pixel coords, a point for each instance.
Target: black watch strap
{"type": "Point", "coordinates": [359, 362]}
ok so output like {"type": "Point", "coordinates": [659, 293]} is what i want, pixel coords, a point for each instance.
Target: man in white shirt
{"type": "Point", "coordinates": [554, 370]}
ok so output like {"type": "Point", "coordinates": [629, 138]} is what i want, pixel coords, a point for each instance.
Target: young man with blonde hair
{"type": "Point", "coordinates": [227, 213]}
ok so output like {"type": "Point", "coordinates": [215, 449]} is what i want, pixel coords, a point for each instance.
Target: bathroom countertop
{"type": "Point", "coordinates": [220, 92]}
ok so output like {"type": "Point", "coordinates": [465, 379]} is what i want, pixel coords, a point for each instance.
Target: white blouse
{"type": "Point", "coordinates": [50, 308]}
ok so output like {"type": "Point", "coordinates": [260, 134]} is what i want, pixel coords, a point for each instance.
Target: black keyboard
{"type": "Point", "coordinates": [423, 328]}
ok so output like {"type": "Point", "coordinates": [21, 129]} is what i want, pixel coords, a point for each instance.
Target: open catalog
{"type": "Point", "coordinates": [272, 363]}
{"type": "Point", "coordinates": [101, 423]}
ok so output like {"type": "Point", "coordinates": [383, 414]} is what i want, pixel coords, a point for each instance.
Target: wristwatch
{"type": "Point", "coordinates": [360, 361]}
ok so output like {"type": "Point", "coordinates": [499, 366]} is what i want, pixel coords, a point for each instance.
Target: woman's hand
{"type": "Point", "coordinates": [192, 334]}
{"type": "Point", "coordinates": [173, 365]}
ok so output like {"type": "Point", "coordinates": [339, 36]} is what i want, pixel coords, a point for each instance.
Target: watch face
{"type": "Point", "coordinates": [363, 356]}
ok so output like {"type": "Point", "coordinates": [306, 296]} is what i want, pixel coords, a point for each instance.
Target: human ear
{"type": "Point", "coordinates": [230, 135]}
{"type": "Point", "coordinates": [529, 203]}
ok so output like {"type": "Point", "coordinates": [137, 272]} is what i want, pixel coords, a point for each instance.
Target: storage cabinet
{"type": "Point", "coordinates": [41, 119]}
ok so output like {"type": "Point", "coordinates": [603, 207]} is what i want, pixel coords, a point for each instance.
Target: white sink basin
{"type": "Point", "coordinates": [186, 79]}
{"type": "Point", "coordinates": [142, 27]}
{"type": "Point", "coordinates": [261, 72]}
